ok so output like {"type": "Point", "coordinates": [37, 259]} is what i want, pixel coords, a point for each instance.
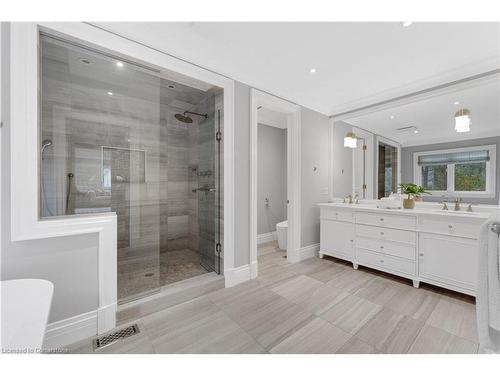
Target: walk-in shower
{"type": "Point", "coordinates": [123, 137]}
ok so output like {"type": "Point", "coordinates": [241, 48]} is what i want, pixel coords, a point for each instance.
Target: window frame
{"type": "Point", "coordinates": [490, 191]}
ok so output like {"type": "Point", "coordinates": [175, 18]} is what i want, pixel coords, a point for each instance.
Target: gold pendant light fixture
{"type": "Point", "coordinates": [350, 140]}
{"type": "Point", "coordinates": [462, 120]}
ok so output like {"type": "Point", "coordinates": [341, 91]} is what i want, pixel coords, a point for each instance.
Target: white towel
{"type": "Point", "coordinates": [488, 292]}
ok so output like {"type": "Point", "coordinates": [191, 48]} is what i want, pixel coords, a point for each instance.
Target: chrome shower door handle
{"type": "Point", "coordinates": [207, 189]}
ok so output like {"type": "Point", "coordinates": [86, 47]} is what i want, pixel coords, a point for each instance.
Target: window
{"type": "Point", "coordinates": [467, 171]}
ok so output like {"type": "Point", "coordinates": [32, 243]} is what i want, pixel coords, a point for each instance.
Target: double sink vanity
{"type": "Point", "coordinates": [425, 244]}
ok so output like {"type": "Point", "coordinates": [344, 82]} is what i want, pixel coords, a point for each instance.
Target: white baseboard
{"type": "Point", "coordinates": [254, 269]}
{"type": "Point", "coordinates": [266, 237]}
{"type": "Point", "coordinates": [235, 276]}
{"type": "Point", "coordinates": [68, 331]}
{"type": "Point", "coordinates": [308, 251]}
{"type": "Point", "coordinates": [106, 318]}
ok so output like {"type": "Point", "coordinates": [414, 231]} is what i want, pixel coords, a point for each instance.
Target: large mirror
{"type": "Point", "coordinates": [445, 140]}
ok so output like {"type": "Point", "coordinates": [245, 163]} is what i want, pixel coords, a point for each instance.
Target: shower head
{"type": "Point", "coordinates": [188, 119]}
{"type": "Point", "coordinates": [183, 118]}
{"type": "Point", "coordinates": [45, 143]}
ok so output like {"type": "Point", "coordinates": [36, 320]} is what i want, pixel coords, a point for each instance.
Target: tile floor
{"type": "Point", "coordinates": [316, 306]}
{"type": "Point", "coordinates": [141, 276]}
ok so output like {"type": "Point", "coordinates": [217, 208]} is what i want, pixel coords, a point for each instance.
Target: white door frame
{"type": "Point", "coordinates": [259, 98]}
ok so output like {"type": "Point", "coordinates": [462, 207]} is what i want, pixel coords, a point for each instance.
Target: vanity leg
{"type": "Point", "coordinates": [355, 266]}
{"type": "Point", "coordinates": [321, 256]}
{"type": "Point", "coordinates": [416, 283]}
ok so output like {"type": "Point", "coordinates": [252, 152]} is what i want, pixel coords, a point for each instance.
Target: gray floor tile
{"type": "Point", "coordinates": [455, 316]}
{"type": "Point", "coordinates": [356, 346]}
{"type": "Point", "coordinates": [433, 340]}
{"type": "Point", "coordinates": [298, 289]}
{"type": "Point", "coordinates": [351, 313]}
{"type": "Point", "coordinates": [318, 336]}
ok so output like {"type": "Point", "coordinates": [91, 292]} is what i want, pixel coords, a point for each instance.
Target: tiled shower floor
{"type": "Point", "coordinates": [142, 277]}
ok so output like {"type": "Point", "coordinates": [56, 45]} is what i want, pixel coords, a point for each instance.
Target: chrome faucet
{"type": "Point", "coordinates": [457, 203]}
{"type": "Point", "coordinates": [445, 205]}
{"type": "Point", "coordinates": [469, 208]}
{"type": "Point", "coordinates": [356, 198]}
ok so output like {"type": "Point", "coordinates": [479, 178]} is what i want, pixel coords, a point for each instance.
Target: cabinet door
{"type": "Point", "coordinates": [450, 260]}
{"type": "Point", "coordinates": [337, 237]}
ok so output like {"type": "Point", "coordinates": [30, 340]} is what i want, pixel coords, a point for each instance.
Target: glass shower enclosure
{"type": "Point", "coordinates": [119, 136]}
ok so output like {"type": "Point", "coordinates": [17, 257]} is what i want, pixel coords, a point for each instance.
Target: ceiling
{"type": "Point", "coordinates": [356, 63]}
{"type": "Point", "coordinates": [434, 116]}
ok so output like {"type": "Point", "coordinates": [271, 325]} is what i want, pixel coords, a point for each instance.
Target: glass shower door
{"type": "Point", "coordinates": [99, 145]}
{"type": "Point", "coordinates": [208, 192]}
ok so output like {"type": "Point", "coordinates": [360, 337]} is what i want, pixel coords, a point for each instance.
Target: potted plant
{"type": "Point", "coordinates": [412, 192]}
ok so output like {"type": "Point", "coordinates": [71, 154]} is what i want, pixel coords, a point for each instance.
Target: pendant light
{"type": "Point", "coordinates": [462, 121]}
{"type": "Point", "coordinates": [350, 140]}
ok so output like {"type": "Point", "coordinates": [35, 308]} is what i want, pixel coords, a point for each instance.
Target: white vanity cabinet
{"type": "Point", "coordinates": [423, 245]}
{"type": "Point", "coordinates": [448, 251]}
{"type": "Point", "coordinates": [447, 261]}
{"type": "Point", "coordinates": [380, 244]}
{"type": "Point", "coordinates": [337, 234]}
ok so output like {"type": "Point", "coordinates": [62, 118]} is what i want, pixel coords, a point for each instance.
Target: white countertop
{"type": "Point", "coordinates": [482, 212]}
{"type": "Point", "coordinates": [25, 313]}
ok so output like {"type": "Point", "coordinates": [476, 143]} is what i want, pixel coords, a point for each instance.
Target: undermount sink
{"type": "Point", "coordinates": [457, 212]}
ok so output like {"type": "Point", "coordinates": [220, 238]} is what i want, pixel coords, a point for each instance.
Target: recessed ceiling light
{"type": "Point", "coordinates": [415, 131]}
{"type": "Point", "coordinates": [119, 64]}
{"type": "Point", "coordinates": [171, 86]}
{"type": "Point", "coordinates": [110, 93]}
{"type": "Point", "coordinates": [456, 103]}
{"type": "Point", "coordinates": [391, 117]}
{"type": "Point", "coordinates": [407, 23]}
{"type": "Point", "coordinates": [312, 70]}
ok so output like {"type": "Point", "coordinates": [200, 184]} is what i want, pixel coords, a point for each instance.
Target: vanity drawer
{"type": "Point", "coordinates": [332, 214]}
{"type": "Point", "coordinates": [400, 265]}
{"type": "Point", "coordinates": [384, 220]}
{"type": "Point", "coordinates": [452, 225]}
{"type": "Point", "coordinates": [389, 234]}
{"type": "Point", "coordinates": [380, 261]}
{"type": "Point", "coordinates": [400, 250]}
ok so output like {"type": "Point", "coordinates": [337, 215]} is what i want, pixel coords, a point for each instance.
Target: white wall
{"type": "Point", "coordinates": [241, 174]}
{"type": "Point", "coordinates": [69, 262]}
{"type": "Point", "coordinates": [315, 148]}
{"type": "Point", "coordinates": [271, 177]}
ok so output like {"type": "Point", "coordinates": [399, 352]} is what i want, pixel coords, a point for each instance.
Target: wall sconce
{"type": "Point", "coordinates": [350, 140]}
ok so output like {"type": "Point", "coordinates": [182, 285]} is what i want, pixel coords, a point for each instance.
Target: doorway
{"type": "Point", "coordinates": [285, 117]}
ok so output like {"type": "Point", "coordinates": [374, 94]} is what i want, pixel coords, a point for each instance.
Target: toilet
{"type": "Point", "coordinates": [281, 233]}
